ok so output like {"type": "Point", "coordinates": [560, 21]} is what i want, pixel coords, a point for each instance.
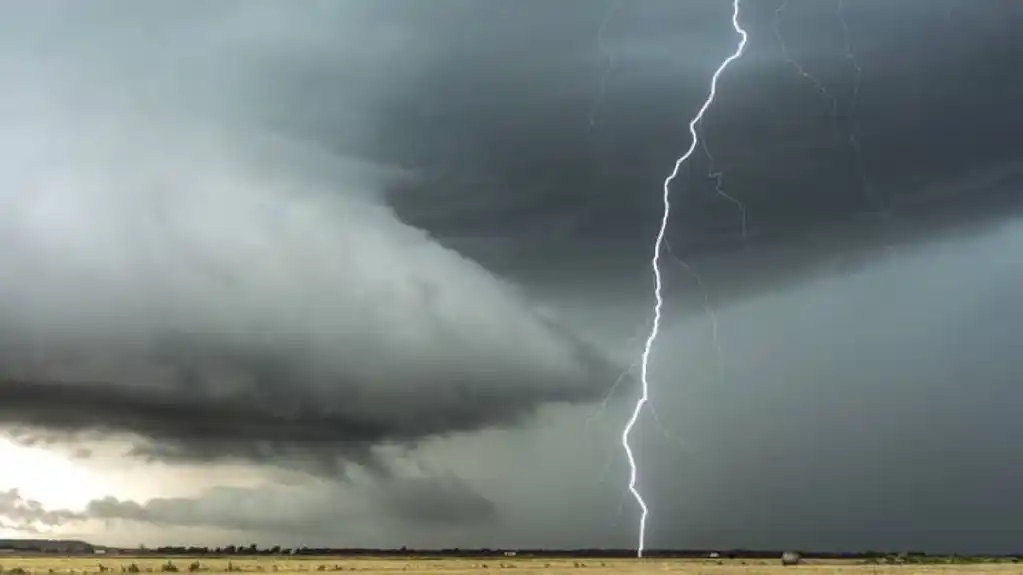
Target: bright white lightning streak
{"type": "Point", "coordinates": [655, 265]}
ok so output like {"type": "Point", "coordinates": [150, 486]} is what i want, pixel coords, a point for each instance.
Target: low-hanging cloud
{"type": "Point", "coordinates": [216, 288]}
{"type": "Point", "coordinates": [313, 508]}
{"type": "Point", "coordinates": [26, 514]}
{"type": "Point", "coordinates": [325, 507]}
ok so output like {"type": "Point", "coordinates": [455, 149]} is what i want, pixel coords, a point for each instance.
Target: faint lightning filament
{"type": "Point", "coordinates": [655, 265]}
{"type": "Point", "coordinates": [609, 59]}
{"type": "Point", "coordinates": [799, 67]}
{"type": "Point", "coordinates": [854, 139]}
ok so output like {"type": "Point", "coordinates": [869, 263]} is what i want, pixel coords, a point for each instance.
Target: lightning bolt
{"type": "Point", "coordinates": [655, 266]}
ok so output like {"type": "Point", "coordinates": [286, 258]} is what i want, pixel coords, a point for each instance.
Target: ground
{"type": "Point", "coordinates": [12, 565]}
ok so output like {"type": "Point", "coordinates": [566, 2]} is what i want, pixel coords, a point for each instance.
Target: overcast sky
{"type": "Point", "coordinates": [367, 273]}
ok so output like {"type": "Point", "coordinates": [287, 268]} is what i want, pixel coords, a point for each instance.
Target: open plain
{"type": "Point", "coordinates": [58, 565]}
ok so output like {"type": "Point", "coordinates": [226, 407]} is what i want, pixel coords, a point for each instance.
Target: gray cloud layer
{"type": "Point", "coordinates": [228, 308]}
{"type": "Point", "coordinates": [869, 409]}
{"type": "Point", "coordinates": [221, 289]}
{"type": "Point", "coordinates": [320, 510]}
{"type": "Point", "coordinates": [934, 105]}
{"type": "Point", "coordinates": [21, 513]}
{"type": "Point", "coordinates": [225, 231]}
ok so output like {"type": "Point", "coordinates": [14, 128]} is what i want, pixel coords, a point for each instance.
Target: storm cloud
{"type": "Point", "coordinates": [214, 311]}
{"type": "Point", "coordinates": [928, 158]}
{"type": "Point", "coordinates": [302, 236]}
{"type": "Point", "coordinates": [212, 285]}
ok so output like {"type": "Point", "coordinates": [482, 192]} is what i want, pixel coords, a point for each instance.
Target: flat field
{"type": "Point", "coordinates": [115, 565]}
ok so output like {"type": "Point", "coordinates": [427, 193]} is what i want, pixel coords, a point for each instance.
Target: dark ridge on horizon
{"type": "Point", "coordinates": [78, 547]}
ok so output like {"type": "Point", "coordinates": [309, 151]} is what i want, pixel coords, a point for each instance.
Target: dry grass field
{"type": "Point", "coordinates": [115, 565]}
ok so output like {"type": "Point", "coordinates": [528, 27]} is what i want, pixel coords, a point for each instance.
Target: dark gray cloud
{"type": "Point", "coordinates": [276, 418]}
{"type": "Point", "coordinates": [444, 499]}
{"type": "Point", "coordinates": [312, 510]}
{"type": "Point", "coordinates": [542, 180]}
{"type": "Point", "coordinates": [275, 234]}
{"type": "Point", "coordinates": [871, 409]}
{"type": "Point", "coordinates": [182, 271]}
